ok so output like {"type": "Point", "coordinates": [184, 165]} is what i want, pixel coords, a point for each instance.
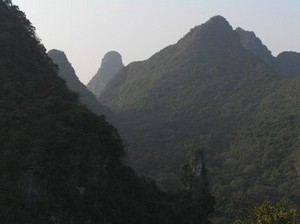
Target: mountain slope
{"type": "Point", "coordinates": [286, 63]}
{"type": "Point", "coordinates": [67, 73]}
{"type": "Point", "coordinates": [174, 92]}
{"type": "Point", "coordinates": [110, 65]}
{"type": "Point", "coordinates": [289, 63]}
{"type": "Point", "coordinates": [206, 90]}
{"type": "Point", "coordinates": [252, 43]}
{"type": "Point", "coordinates": [60, 163]}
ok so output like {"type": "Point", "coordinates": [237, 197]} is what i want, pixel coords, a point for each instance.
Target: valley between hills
{"type": "Point", "coordinates": [200, 132]}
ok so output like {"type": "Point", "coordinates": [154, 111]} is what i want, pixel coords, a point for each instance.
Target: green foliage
{"type": "Point", "coordinates": [209, 86]}
{"type": "Point", "coordinates": [196, 186]}
{"type": "Point", "coordinates": [267, 213]}
{"type": "Point", "coordinates": [256, 47]}
{"type": "Point", "coordinates": [60, 163]}
{"type": "Point", "coordinates": [194, 168]}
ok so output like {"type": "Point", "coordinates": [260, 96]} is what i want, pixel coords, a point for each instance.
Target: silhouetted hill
{"type": "Point", "coordinates": [289, 63]}
{"type": "Point", "coordinates": [205, 40]}
{"type": "Point", "coordinates": [110, 65]}
{"type": "Point", "coordinates": [67, 73]}
{"type": "Point", "coordinates": [208, 90]}
{"type": "Point", "coordinates": [60, 163]}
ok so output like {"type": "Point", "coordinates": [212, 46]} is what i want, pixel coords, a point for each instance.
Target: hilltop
{"type": "Point", "coordinates": [67, 73]}
{"type": "Point", "coordinates": [211, 89]}
{"type": "Point", "coordinates": [61, 163]}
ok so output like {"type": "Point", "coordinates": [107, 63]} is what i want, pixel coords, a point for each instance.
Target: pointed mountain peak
{"type": "Point", "coordinates": [57, 53]}
{"type": "Point", "coordinates": [213, 38]}
{"type": "Point", "coordinates": [66, 71]}
{"type": "Point", "coordinates": [111, 64]}
{"type": "Point", "coordinates": [218, 21]}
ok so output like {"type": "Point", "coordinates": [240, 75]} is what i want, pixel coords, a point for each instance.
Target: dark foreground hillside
{"type": "Point", "coordinates": [61, 163]}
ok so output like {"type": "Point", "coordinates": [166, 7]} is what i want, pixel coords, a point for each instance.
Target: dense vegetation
{"type": "Point", "coordinates": [267, 213]}
{"type": "Point", "coordinates": [60, 163]}
{"type": "Point", "coordinates": [209, 89]}
{"type": "Point", "coordinates": [252, 43]}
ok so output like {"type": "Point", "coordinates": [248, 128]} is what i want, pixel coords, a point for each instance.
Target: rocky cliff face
{"type": "Point", "coordinates": [252, 43]}
{"type": "Point", "coordinates": [110, 66]}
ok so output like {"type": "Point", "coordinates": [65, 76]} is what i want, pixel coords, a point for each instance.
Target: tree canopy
{"type": "Point", "coordinates": [267, 213]}
{"type": "Point", "coordinates": [209, 86]}
{"type": "Point", "coordinates": [60, 163]}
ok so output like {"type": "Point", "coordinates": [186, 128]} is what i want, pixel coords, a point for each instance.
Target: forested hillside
{"type": "Point", "coordinates": [286, 63]}
{"type": "Point", "coordinates": [60, 163]}
{"type": "Point", "coordinates": [210, 90]}
{"type": "Point", "coordinates": [252, 43]}
{"type": "Point", "coordinates": [67, 73]}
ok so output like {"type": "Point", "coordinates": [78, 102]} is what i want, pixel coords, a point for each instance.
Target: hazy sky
{"type": "Point", "coordinates": [86, 29]}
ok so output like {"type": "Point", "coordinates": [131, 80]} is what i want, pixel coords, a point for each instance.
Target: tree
{"type": "Point", "coordinates": [267, 213]}
{"type": "Point", "coordinates": [195, 172]}
{"type": "Point", "coordinates": [195, 181]}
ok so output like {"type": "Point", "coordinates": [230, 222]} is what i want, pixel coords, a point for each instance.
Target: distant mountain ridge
{"type": "Point", "coordinates": [110, 65]}
{"type": "Point", "coordinates": [289, 63]}
{"type": "Point", "coordinates": [66, 71]}
{"type": "Point", "coordinates": [215, 87]}
{"type": "Point", "coordinates": [61, 163]}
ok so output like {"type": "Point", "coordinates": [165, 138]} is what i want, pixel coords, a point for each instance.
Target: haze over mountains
{"type": "Point", "coordinates": [66, 72]}
{"type": "Point", "coordinates": [60, 163]}
{"type": "Point", "coordinates": [110, 65]}
{"type": "Point", "coordinates": [220, 89]}
{"type": "Point", "coordinates": [213, 112]}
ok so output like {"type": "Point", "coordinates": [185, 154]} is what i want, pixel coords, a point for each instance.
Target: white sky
{"type": "Point", "coordinates": [87, 29]}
